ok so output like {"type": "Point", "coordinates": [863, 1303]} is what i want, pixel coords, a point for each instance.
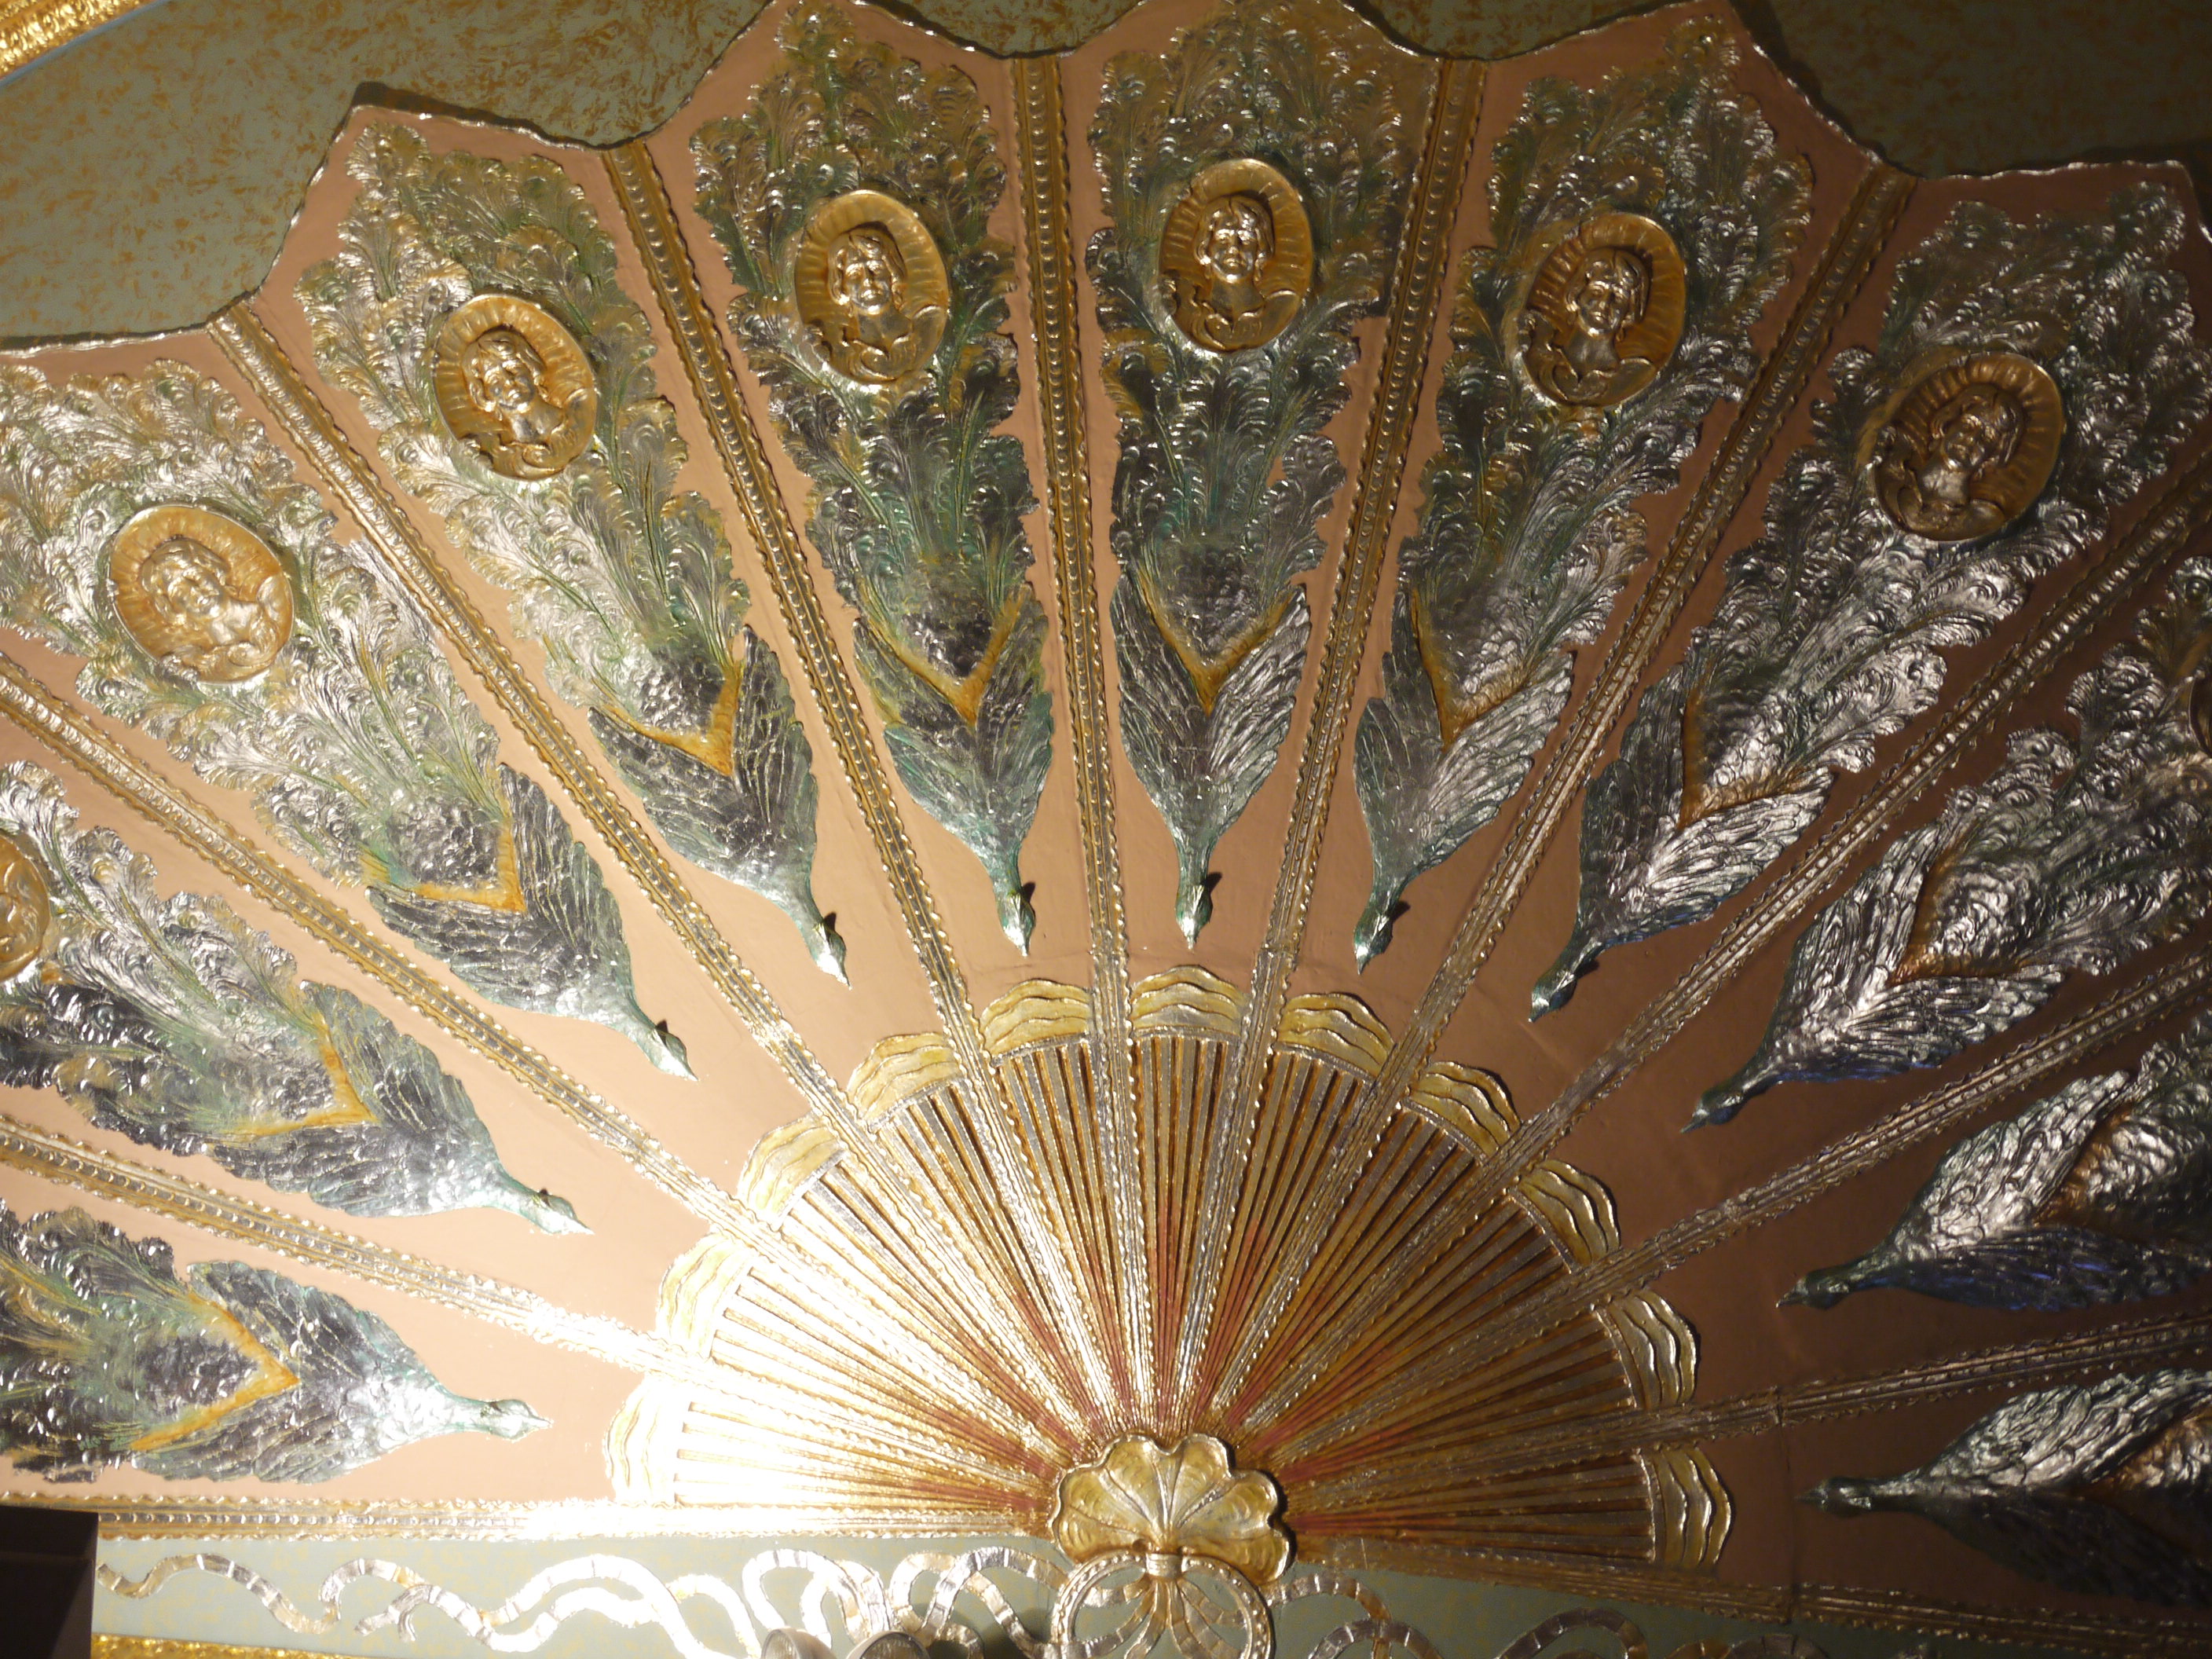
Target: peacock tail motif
{"type": "Point", "coordinates": [625, 580]}
{"type": "Point", "coordinates": [359, 748]}
{"type": "Point", "coordinates": [109, 1354]}
{"type": "Point", "coordinates": [172, 1023]}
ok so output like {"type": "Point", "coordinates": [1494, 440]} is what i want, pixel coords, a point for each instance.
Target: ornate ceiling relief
{"type": "Point", "coordinates": [1641, 229]}
{"type": "Point", "coordinates": [475, 312]}
{"type": "Point", "coordinates": [852, 202]}
{"type": "Point", "coordinates": [172, 1023]}
{"type": "Point", "coordinates": [275, 659]}
{"type": "Point", "coordinates": [1256, 178]}
{"type": "Point", "coordinates": [2028, 379]}
{"type": "Point", "coordinates": [1203, 1285]}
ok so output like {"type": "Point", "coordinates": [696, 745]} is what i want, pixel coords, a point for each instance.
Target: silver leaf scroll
{"type": "Point", "coordinates": [2080, 853]}
{"type": "Point", "coordinates": [1831, 631]}
{"type": "Point", "coordinates": [1527, 524]}
{"type": "Point", "coordinates": [360, 749]}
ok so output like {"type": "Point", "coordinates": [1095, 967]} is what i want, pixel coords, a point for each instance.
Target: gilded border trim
{"type": "Point", "coordinates": [29, 29]}
{"type": "Point", "coordinates": [46, 717]}
{"type": "Point", "coordinates": [1417, 286]}
{"type": "Point", "coordinates": [1041, 166]}
{"type": "Point", "coordinates": [658, 239]}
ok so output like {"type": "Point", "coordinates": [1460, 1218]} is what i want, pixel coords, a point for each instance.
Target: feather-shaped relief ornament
{"type": "Point", "coordinates": [1642, 228]}
{"type": "Point", "coordinates": [149, 526]}
{"type": "Point", "coordinates": [172, 1022]}
{"type": "Point", "coordinates": [2102, 1489]}
{"type": "Point", "coordinates": [853, 201]}
{"type": "Point", "coordinates": [1256, 175]}
{"type": "Point", "coordinates": [2029, 377]}
{"type": "Point", "coordinates": [109, 1355]}
{"type": "Point", "coordinates": [2078, 855]}
{"type": "Point", "coordinates": [2100, 1193]}
{"type": "Point", "coordinates": [473, 308]}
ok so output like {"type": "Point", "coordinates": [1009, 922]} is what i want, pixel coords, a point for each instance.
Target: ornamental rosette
{"type": "Point", "coordinates": [1140, 1496]}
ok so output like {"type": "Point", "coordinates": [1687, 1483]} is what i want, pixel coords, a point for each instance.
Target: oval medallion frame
{"type": "Point", "coordinates": [860, 344]}
{"type": "Point", "coordinates": [27, 913]}
{"type": "Point", "coordinates": [1896, 450]}
{"type": "Point", "coordinates": [1285, 276]}
{"type": "Point", "coordinates": [525, 445]}
{"type": "Point", "coordinates": [1639, 347]}
{"type": "Point", "coordinates": [232, 648]}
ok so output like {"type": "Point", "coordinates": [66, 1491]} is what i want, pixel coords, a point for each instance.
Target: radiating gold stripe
{"type": "Point", "coordinates": [1040, 130]}
{"type": "Point", "coordinates": [659, 241]}
{"type": "Point", "coordinates": [163, 1647]}
{"type": "Point", "coordinates": [2035, 1064]}
{"type": "Point", "coordinates": [254, 352]}
{"type": "Point", "coordinates": [1873, 212]}
{"type": "Point", "coordinates": [58, 1158]}
{"type": "Point", "coordinates": [170, 1516]}
{"type": "Point", "coordinates": [23, 700]}
{"type": "Point", "coordinates": [29, 29]}
{"type": "Point", "coordinates": [1417, 285]}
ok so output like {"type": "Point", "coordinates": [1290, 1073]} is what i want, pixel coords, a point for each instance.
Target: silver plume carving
{"type": "Point", "coordinates": [1527, 527]}
{"type": "Point", "coordinates": [2100, 1192]}
{"type": "Point", "coordinates": [2080, 853]}
{"type": "Point", "coordinates": [172, 1022]}
{"type": "Point", "coordinates": [625, 580]}
{"type": "Point", "coordinates": [2100, 1489]}
{"type": "Point", "coordinates": [1224, 471]}
{"type": "Point", "coordinates": [919, 496]}
{"type": "Point", "coordinates": [1832, 630]}
{"type": "Point", "coordinates": [110, 1355]}
{"type": "Point", "coordinates": [357, 744]}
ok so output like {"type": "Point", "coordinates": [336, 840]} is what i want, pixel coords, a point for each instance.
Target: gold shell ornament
{"type": "Point", "coordinates": [1140, 1496]}
{"type": "Point", "coordinates": [514, 386]}
{"type": "Point", "coordinates": [200, 592]}
{"type": "Point", "coordinates": [870, 287]}
{"type": "Point", "coordinates": [1237, 256]}
{"type": "Point", "coordinates": [25, 913]}
{"type": "Point", "coordinates": [1604, 312]}
{"type": "Point", "coordinates": [1967, 446]}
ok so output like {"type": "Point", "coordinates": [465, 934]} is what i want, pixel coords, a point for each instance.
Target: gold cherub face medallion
{"type": "Point", "coordinates": [514, 385]}
{"type": "Point", "coordinates": [201, 593]}
{"type": "Point", "coordinates": [1604, 312]}
{"type": "Point", "coordinates": [1236, 256]}
{"type": "Point", "coordinates": [1967, 446]}
{"type": "Point", "coordinates": [26, 913]}
{"type": "Point", "coordinates": [872, 286]}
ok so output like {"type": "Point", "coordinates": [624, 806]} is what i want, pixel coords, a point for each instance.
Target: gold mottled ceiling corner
{"type": "Point", "coordinates": [153, 162]}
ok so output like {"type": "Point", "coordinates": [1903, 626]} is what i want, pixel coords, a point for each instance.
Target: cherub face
{"type": "Point", "coordinates": [1610, 292]}
{"type": "Point", "coordinates": [866, 273]}
{"type": "Point", "coordinates": [503, 371]}
{"type": "Point", "coordinates": [1979, 430]}
{"type": "Point", "coordinates": [183, 581]}
{"type": "Point", "coordinates": [1237, 239]}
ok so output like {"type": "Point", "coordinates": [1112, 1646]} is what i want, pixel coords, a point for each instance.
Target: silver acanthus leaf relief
{"type": "Point", "coordinates": [2080, 853]}
{"type": "Point", "coordinates": [1528, 525]}
{"type": "Point", "coordinates": [625, 580]}
{"type": "Point", "coordinates": [1832, 630]}
{"type": "Point", "coordinates": [356, 743]}
{"type": "Point", "coordinates": [1224, 471]}
{"type": "Point", "coordinates": [2105, 1489]}
{"type": "Point", "coordinates": [173, 1023]}
{"type": "Point", "coordinates": [2100, 1192]}
{"type": "Point", "coordinates": [109, 1355]}
{"type": "Point", "coordinates": [853, 201]}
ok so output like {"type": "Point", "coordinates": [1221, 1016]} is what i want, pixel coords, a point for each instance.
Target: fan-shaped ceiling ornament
{"type": "Point", "coordinates": [1205, 683]}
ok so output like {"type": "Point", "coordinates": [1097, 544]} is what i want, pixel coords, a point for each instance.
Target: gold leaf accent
{"type": "Point", "coordinates": [1189, 1501]}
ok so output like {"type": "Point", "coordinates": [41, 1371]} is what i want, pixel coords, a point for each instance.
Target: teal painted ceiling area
{"type": "Point", "coordinates": [150, 169]}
